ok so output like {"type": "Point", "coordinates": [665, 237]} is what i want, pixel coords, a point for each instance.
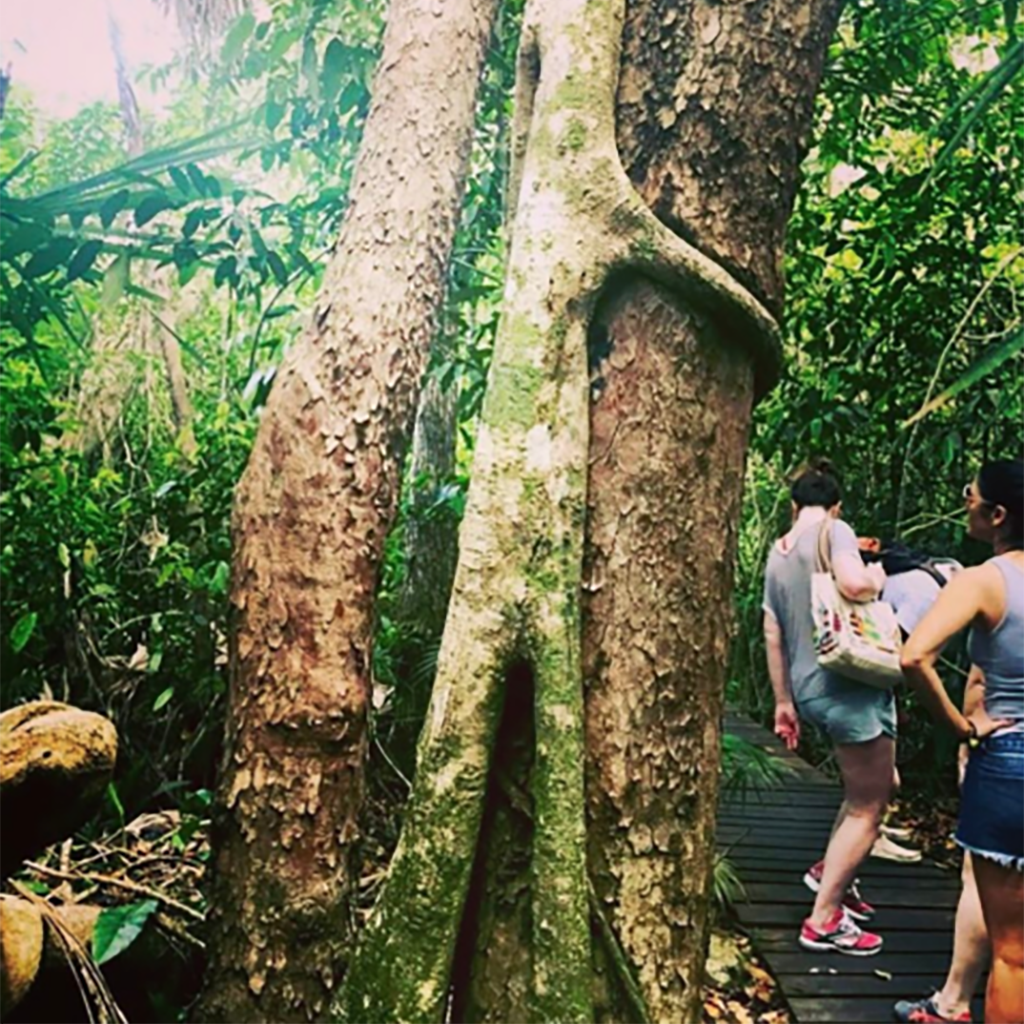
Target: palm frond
{"type": "Point", "coordinates": [747, 768]}
{"type": "Point", "coordinates": [984, 94]}
{"type": "Point", "coordinates": [990, 361]}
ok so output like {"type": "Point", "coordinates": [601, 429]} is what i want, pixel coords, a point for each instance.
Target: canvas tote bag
{"type": "Point", "coordinates": [858, 640]}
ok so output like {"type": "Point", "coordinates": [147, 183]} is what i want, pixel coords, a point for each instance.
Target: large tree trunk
{"type": "Point", "coordinates": [715, 104]}
{"type": "Point", "coordinates": [311, 515]}
{"type": "Point", "coordinates": [498, 797]}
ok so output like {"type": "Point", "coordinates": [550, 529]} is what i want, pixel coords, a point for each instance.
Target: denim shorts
{"type": "Point", "coordinates": [992, 802]}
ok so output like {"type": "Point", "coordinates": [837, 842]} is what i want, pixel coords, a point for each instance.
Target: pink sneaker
{"type": "Point", "coordinates": [856, 906]}
{"type": "Point", "coordinates": [840, 935]}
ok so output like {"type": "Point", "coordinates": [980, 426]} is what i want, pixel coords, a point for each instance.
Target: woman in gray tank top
{"type": "Point", "coordinates": [990, 600]}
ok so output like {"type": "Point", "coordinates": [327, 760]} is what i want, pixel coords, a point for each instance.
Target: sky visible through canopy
{"type": "Point", "coordinates": [59, 50]}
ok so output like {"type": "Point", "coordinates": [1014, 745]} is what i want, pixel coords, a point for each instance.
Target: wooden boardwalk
{"type": "Point", "coordinates": [772, 837]}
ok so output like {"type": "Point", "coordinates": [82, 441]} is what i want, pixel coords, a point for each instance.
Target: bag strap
{"type": "Point", "coordinates": [929, 567]}
{"type": "Point", "coordinates": [823, 552]}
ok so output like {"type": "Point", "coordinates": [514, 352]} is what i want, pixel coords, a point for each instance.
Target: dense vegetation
{"type": "Point", "coordinates": [903, 335]}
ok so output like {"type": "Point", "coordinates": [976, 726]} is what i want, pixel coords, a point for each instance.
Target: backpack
{"type": "Point", "coordinates": [897, 557]}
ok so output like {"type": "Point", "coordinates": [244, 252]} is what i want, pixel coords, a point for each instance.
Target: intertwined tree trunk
{"type": "Point", "coordinates": [311, 514]}
{"type": "Point", "coordinates": [488, 909]}
{"type": "Point", "coordinates": [714, 107]}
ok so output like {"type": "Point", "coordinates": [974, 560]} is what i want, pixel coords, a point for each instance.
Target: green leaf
{"type": "Point", "coordinates": [236, 37]}
{"type": "Point", "coordinates": [351, 97]}
{"type": "Point", "coordinates": [24, 237]}
{"type": "Point", "coordinates": [163, 698]}
{"type": "Point", "coordinates": [277, 268]}
{"type": "Point", "coordinates": [193, 221]}
{"type": "Point", "coordinates": [151, 206]}
{"type": "Point", "coordinates": [84, 258]}
{"type": "Point", "coordinates": [333, 73]}
{"type": "Point", "coordinates": [115, 801]}
{"type": "Point", "coordinates": [180, 179]}
{"type": "Point", "coordinates": [113, 206]}
{"type": "Point", "coordinates": [226, 271]}
{"type": "Point", "coordinates": [273, 113]}
{"type": "Point", "coordinates": [115, 280]}
{"type": "Point", "coordinates": [221, 578]}
{"type": "Point", "coordinates": [51, 257]}
{"type": "Point", "coordinates": [22, 631]}
{"type": "Point", "coordinates": [198, 179]}
{"type": "Point", "coordinates": [118, 927]}
{"type": "Point", "coordinates": [991, 360]}
{"type": "Point", "coordinates": [63, 556]}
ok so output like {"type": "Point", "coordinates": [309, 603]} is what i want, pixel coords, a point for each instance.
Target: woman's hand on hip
{"type": "Point", "coordinates": [985, 724]}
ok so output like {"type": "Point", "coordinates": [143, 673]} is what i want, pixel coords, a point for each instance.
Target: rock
{"type": "Point", "coordinates": [55, 763]}
{"type": "Point", "coordinates": [21, 949]}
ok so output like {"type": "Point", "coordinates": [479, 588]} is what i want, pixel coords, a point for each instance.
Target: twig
{"type": "Point", "coordinates": [120, 883]}
{"type": "Point", "coordinates": [178, 930]}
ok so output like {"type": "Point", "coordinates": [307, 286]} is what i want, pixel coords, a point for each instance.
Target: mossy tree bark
{"type": "Point", "coordinates": [488, 911]}
{"type": "Point", "coordinates": [311, 514]}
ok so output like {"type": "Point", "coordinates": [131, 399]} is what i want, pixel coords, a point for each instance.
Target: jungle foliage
{"type": "Point", "coordinates": [903, 336]}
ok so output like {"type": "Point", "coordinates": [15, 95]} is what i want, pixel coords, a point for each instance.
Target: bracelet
{"type": "Point", "coordinates": [973, 740]}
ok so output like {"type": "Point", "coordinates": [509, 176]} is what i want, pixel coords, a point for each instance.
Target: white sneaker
{"type": "Point", "coordinates": [901, 834]}
{"type": "Point", "coordinates": [886, 849]}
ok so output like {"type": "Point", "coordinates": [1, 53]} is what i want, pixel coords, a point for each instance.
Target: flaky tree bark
{"type": "Point", "coordinates": [714, 107]}
{"type": "Point", "coordinates": [509, 676]}
{"type": "Point", "coordinates": [311, 515]}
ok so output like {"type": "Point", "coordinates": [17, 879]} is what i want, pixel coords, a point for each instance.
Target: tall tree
{"type": "Point", "coordinates": [311, 514]}
{"type": "Point", "coordinates": [714, 109]}
{"type": "Point", "coordinates": [122, 352]}
{"type": "Point", "coordinates": [632, 345]}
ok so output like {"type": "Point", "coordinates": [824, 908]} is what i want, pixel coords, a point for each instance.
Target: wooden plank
{"type": "Point", "coordinates": [870, 874]}
{"type": "Point", "coordinates": [771, 940]}
{"type": "Point", "coordinates": [778, 827]}
{"type": "Point", "coordinates": [783, 817]}
{"type": "Point", "coordinates": [888, 919]}
{"type": "Point", "coordinates": [853, 1010]}
{"type": "Point", "coordinates": [745, 856]}
{"type": "Point", "coordinates": [811, 796]}
{"type": "Point", "coordinates": [892, 959]}
{"type": "Point", "coordinates": [879, 895]}
{"type": "Point", "coordinates": [864, 985]}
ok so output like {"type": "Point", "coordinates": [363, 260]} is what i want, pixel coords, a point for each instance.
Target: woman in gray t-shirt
{"type": "Point", "coordinates": [859, 720]}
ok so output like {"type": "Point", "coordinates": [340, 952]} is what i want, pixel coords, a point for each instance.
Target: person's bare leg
{"type": "Point", "coordinates": [970, 949]}
{"type": "Point", "coordinates": [1002, 901]}
{"type": "Point", "coordinates": [867, 771]}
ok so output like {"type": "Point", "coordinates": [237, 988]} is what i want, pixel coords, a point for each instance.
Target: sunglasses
{"type": "Point", "coordinates": [969, 495]}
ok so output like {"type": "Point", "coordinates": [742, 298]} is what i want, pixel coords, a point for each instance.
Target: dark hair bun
{"type": "Point", "coordinates": [817, 485]}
